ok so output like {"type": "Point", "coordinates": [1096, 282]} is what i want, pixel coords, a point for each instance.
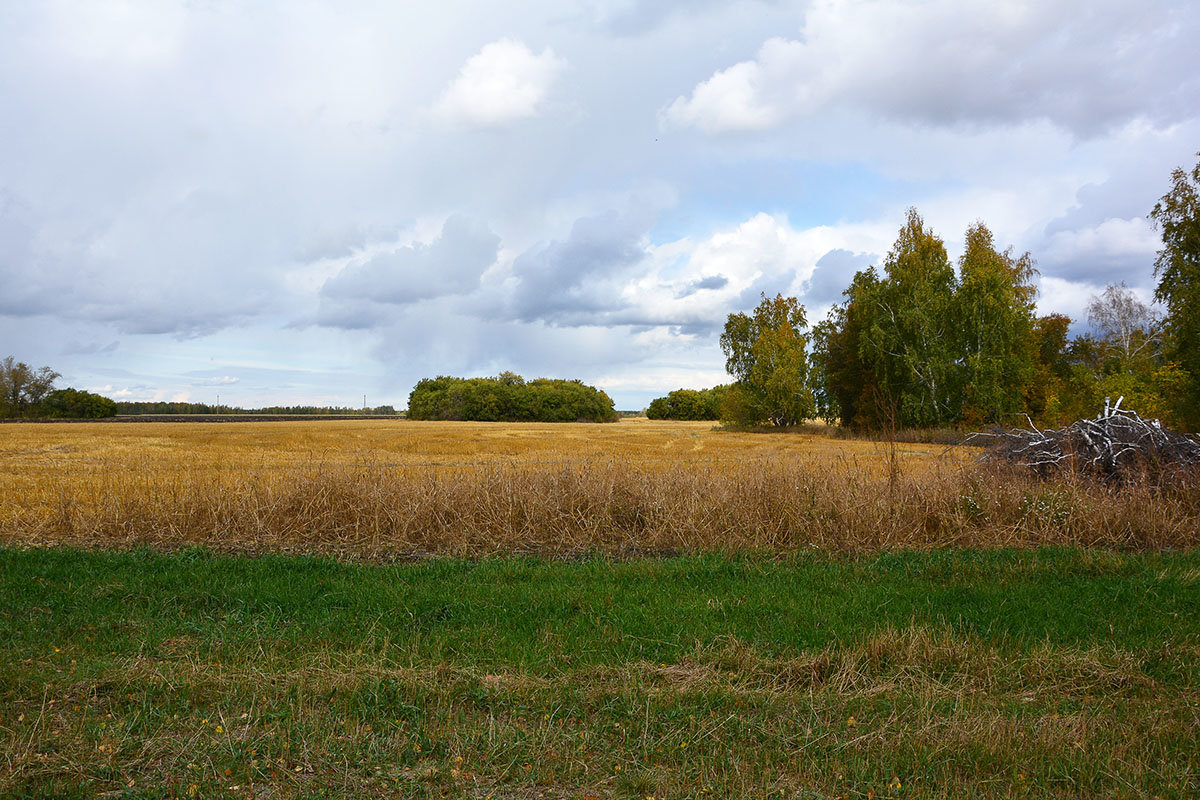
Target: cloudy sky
{"type": "Point", "coordinates": [306, 202]}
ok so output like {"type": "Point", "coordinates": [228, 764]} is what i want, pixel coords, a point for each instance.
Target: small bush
{"type": "Point", "coordinates": [689, 404]}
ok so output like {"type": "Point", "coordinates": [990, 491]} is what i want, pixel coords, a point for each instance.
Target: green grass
{"type": "Point", "coordinates": [971, 673]}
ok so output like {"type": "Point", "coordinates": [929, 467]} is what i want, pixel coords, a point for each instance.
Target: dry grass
{"type": "Point", "coordinates": [959, 718]}
{"type": "Point", "coordinates": [384, 489]}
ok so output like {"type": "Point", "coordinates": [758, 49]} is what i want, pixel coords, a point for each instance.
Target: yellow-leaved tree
{"type": "Point", "coordinates": [765, 353]}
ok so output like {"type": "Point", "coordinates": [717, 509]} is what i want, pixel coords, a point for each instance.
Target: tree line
{"type": "Point", "coordinates": [29, 392]}
{"type": "Point", "coordinates": [918, 343]}
{"type": "Point", "coordinates": [509, 398]}
{"type": "Point", "coordinates": [26, 392]}
{"type": "Point", "coordinates": [176, 407]}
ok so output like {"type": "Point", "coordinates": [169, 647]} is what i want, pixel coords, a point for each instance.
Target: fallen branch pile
{"type": "Point", "coordinates": [1117, 444]}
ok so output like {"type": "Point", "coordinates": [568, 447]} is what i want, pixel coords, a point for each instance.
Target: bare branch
{"type": "Point", "coordinates": [1118, 444]}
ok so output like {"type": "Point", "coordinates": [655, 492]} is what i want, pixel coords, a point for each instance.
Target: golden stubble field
{"type": "Point", "coordinates": [191, 446]}
{"type": "Point", "coordinates": [388, 489]}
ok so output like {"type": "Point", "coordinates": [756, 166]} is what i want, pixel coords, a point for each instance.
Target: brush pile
{"type": "Point", "coordinates": [1117, 445]}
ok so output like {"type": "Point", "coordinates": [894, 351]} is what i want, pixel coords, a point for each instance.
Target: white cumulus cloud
{"type": "Point", "coordinates": [502, 83]}
{"type": "Point", "coordinates": [943, 62]}
{"type": "Point", "coordinates": [699, 283]}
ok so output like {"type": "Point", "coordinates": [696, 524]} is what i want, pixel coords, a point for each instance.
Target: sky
{"type": "Point", "coordinates": [312, 202]}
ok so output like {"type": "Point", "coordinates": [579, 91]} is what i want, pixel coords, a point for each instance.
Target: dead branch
{"type": "Point", "coordinates": [1117, 444]}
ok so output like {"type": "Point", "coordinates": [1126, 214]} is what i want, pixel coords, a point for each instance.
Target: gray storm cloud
{"type": "Point", "coordinates": [574, 281]}
{"type": "Point", "coordinates": [833, 274]}
{"type": "Point", "coordinates": [451, 264]}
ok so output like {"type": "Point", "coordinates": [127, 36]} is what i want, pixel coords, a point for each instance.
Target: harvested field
{"type": "Point", "coordinates": [396, 489]}
{"type": "Point", "coordinates": [843, 620]}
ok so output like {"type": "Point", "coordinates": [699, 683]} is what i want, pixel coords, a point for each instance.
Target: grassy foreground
{"type": "Point", "coordinates": [1060, 672]}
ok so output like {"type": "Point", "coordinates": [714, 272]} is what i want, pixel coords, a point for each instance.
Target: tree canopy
{"type": "Point", "coordinates": [917, 345]}
{"type": "Point", "coordinates": [23, 388]}
{"type": "Point", "coordinates": [689, 404]}
{"type": "Point", "coordinates": [909, 343]}
{"type": "Point", "coordinates": [891, 353]}
{"type": "Point", "coordinates": [993, 308]}
{"type": "Point", "coordinates": [509, 398]}
{"type": "Point", "coordinates": [765, 352]}
{"type": "Point", "coordinates": [77, 404]}
{"type": "Point", "coordinates": [1177, 215]}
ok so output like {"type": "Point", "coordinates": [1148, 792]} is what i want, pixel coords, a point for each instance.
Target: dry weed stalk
{"type": "Point", "coordinates": [773, 504]}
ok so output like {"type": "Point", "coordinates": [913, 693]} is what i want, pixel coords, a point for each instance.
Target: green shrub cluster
{"type": "Point", "coordinates": [694, 404]}
{"type": "Point", "coordinates": [509, 398]}
{"type": "Point", "coordinates": [76, 404]}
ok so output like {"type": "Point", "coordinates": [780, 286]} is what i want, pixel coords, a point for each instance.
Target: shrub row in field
{"type": "Point", "coordinates": [693, 404]}
{"type": "Point", "coordinates": [509, 398]}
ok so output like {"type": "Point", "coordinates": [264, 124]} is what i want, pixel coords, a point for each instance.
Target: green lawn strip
{"type": "Point", "coordinates": [983, 673]}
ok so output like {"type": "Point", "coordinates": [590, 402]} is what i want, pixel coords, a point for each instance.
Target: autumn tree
{"type": "Point", "coordinates": [22, 387]}
{"type": "Point", "coordinates": [1125, 358]}
{"type": "Point", "coordinates": [765, 353]}
{"type": "Point", "coordinates": [1177, 215]}
{"type": "Point", "coordinates": [1045, 394]}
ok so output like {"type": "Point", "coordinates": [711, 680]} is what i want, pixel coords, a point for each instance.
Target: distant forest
{"type": "Point", "coordinates": [29, 393]}
{"type": "Point", "coordinates": [204, 408]}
